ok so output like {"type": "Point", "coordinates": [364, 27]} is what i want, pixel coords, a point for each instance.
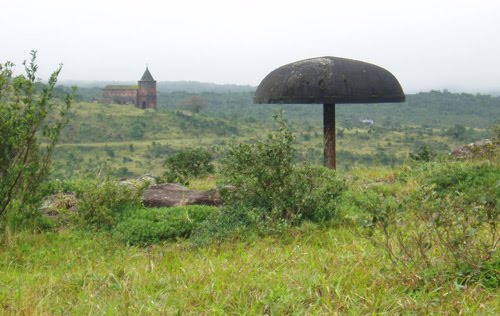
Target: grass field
{"type": "Point", "coordinates": [306, 271]}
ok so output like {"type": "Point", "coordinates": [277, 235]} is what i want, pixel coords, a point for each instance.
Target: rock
{"type": "Point", "coordinates": [140, 182]}
{"type": "Point", "coordinates": [477, 148]}
{"type": "Point", "coordinates": [174, 194]}
{"type": "Point", "coordinates": [52, 205]}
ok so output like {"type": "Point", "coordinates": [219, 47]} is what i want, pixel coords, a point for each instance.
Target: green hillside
{"type": "Point", "coordinates": [127, 141]}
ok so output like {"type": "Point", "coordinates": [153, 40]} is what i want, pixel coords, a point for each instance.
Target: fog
{"type": "Point", "coordinates": [426, 44]}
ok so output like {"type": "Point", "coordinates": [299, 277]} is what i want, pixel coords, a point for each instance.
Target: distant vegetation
{"type": "Point", "coordinates": [428, 109]}
{"type": "Point", "coordinates": [127, 141]}
{"type": "Point", "coordinates": [434, 109]}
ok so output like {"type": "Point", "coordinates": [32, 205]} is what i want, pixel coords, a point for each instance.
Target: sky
{"type": "Point", "coordinates": [426, 44]}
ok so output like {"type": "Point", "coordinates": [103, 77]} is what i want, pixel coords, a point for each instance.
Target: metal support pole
{"type": "Point", "coordinates": [329, 133]}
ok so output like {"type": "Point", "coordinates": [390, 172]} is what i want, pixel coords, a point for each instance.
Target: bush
{"type": "Point", "coordinates": [24, 127]}
{"type": "Point", "coordinates": [101, 204]}
{"type": "Point", "coordinates": [148, 226]}
{"type": "Point", "coordinates": [423, 153]}
{"type": "Point", "coordinates": [263, 176]}
{"type": "Point", "coordinates": [457, 132]}
{"type": "Point", "coordinates": [187, 164]}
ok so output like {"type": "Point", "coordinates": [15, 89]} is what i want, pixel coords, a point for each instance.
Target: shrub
{"type": "Point", "coordinates": [101, 203]}
{"type": "Point", "coordinates": [263, 176]}
{"type": "Point", "coordinates": [24, 127]}
{"type": "Point", "coordinates": [457, 132]}
{"type": "Point", "coordinates": [187, 164]}
{"type": "Point", "coordinates": [423, 153]}
{"type": "Point", "coordinates": [148, 226]}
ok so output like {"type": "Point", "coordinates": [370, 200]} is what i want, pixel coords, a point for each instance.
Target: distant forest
{"type": "Point", "coordinates": [428, 109]}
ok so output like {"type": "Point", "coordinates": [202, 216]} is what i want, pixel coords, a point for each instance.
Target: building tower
{"type": "Point", "coordinates": [146, 94]}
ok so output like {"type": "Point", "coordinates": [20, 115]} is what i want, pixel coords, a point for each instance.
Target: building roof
{"type": "Point", "coordinates": [147, 76]}
{"type": "Point", "coordinates": [122, 87]}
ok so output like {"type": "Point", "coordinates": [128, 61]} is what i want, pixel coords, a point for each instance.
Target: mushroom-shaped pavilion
{"type": "Point", "coordinates": [329, 80]}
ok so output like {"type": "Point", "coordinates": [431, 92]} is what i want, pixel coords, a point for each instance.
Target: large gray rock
{"type": "Point", "coordinates": [174, 194]}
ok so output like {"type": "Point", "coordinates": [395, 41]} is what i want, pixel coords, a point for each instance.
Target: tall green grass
{"type": "Point", "coordinates": [306, 271]}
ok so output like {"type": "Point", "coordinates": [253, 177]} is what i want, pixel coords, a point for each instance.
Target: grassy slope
{"type": "Point", "coordinates": [310, 271]}
{"type": "Point", "coordinates": [107, 138]}
{"type": "Point", "coordinates": [121, 136]}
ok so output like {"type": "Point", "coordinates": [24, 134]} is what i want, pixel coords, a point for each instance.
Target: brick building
{"type": "Point", "coordinates": [142, 95]}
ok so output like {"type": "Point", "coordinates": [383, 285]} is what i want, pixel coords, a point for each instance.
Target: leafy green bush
{"type": "Point", "coordinates": [149, 226]}
{"type": "Point", "coordinates": [263, 176]}
{"type": "Point", "coordinates": [423, 153]}
{"type": "Point", "coordinates": [187, 164]}
{"type": "Point", "coordinates": [101, 203]}
{"type": "Point", "coordinates": [457, 132]}
{"type": "Point", "coordinates": [25, 109]}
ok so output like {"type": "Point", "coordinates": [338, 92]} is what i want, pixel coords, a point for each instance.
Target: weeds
{"type": "Point", "coordinates": [448, 225]}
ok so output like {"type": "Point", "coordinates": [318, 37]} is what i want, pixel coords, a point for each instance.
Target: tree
{"type": "Point", "coordinates": [193, 104]}
{"type": "Point", "coordinates": [457, 132]}
{"type": "Point", "coordinates": [30, 124]}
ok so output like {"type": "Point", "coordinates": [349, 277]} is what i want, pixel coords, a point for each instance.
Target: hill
{"type": "Point", "coordinates": [126, 141]}
{"type": "Point", "coordinates": [432, 109]}
{"type": "Point", "coordinates": [436, 109]}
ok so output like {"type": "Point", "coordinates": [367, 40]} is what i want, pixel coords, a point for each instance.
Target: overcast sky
{"type": "Point", "coordinates": [426, 44]}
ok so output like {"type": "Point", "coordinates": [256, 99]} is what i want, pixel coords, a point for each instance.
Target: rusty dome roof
{"type": "Point", "coordinates": [329, 80]}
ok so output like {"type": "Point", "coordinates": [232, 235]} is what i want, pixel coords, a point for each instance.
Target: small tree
{"type": "Point", "coordinates": [193, 104]}
{"type": "Point", "coordinates": [457, 132]}
{"type": "Point", "coordinates": [27, 135]}
{"type": "Point", "coordinates": [263, 176]}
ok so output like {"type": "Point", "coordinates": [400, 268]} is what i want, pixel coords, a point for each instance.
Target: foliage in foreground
{"type": "Point", "coordinates": [306, 271]}
{"type": "Point", "coordinates": [101, 204]}
{"type": "Point", "coordinates": [447, 227]}
{"type": "Point", "coordinates": [305, 268]}
{"type": "Point", "coordinates": [263, 176]}
{"type": "Point", "coordinates": [27, 139]}
{"type": "Point", "coordinates": [149, 226]}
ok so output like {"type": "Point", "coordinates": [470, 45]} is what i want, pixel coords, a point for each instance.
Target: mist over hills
{"type": "Point", "coordinates": [201, 87]}
{"type": "Point", "coordinates": [168, 86]}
